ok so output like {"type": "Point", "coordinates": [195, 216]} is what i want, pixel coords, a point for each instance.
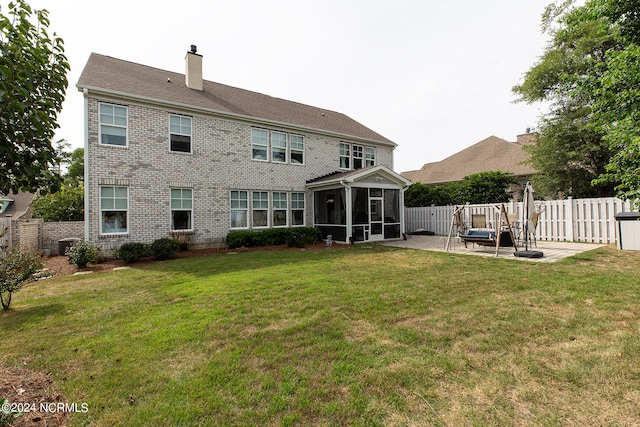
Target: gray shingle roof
{"type": "Point", "coordinates": [490, 154]}
{"type": "Point", "coordinates": [104, 74]}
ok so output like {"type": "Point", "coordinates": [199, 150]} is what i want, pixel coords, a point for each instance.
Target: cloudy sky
{"type": "Point", "coordinates": [434, 76]}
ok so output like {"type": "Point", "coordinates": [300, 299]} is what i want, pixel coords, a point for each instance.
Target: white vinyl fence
{"type": "Point", "coordinates": [573, 220]}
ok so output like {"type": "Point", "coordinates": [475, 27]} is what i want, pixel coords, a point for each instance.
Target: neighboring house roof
{"type": "Point", "coordinates": [118, 78]}
{"type": "Point", "coordinates": [490, 154]}
{"type": "Point", "coordinates": [14, 204]}
{"type": "Point", "coordinates": [376, 173]}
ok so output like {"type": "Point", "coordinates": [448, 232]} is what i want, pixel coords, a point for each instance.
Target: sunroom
{"type": "Point", "coordinates": [361, 205]}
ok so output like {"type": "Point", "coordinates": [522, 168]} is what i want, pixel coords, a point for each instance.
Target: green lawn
{"type": "Point", "coordinates": [367, 336]}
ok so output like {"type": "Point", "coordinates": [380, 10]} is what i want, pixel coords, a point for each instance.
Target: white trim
{"type": "Point", "coordinates": [126, 127]}
{"type": "Point", "coordinates": [181, 230]}
{"type": "Point", "coordinates": [100, 223]}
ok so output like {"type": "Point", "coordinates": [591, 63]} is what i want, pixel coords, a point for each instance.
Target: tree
{"type": "Point", "coordinates": [617, 110]}
{"type": "Point", "coordinates": [483, 187]}
{"type": "Point", "coordinates": [33, 80]}
{"type": "Point", "coordinates": [16, 269]}
{"type": "Point", "coordinates": [67, 202]}
{"type": "Point", "coordinates": [570, 152]}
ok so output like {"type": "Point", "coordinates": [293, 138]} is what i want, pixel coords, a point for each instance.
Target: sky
{"type": "Point", "coordinates": [434, 76]}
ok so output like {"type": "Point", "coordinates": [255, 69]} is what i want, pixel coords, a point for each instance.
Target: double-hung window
{"type": "Point", "coordinates": [369, 156]}
{"type": "Point", "coordinates": [278, 147]}
{"type": "Point", "coordinates": [297, 149]}
{"type": "Point", "coordinates": [297, 208]}
{"type": "Point", "coordinates": [279, 209]}
{"type": "Point", "coordinates": [260, 211]}
{"type": "Point", "coordinates": [358, 156]}
{"type": "Point", "coordinates": [345, 156]}
{"type": "Point", "coordinates": [113, 125]}
{"type": "Point", "coordinates": [114, 209]}
{"type": "Point", "coordinates": [180, 133]}
{"type": "Point", "coordinates": [181, 209]}
{"type": "Point", "coordinates": [259, 144]}
{"type": "Point", "coordinates": [239, 208]}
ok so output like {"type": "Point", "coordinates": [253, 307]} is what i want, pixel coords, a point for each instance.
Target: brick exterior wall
{"type": "Point", "coordinates": [53, 232]}
{"type": "Point", "coordinates": [220, 162]}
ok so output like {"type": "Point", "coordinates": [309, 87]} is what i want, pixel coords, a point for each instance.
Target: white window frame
{"type": "Point", "coordinates": [183, 206]}
{"type": "Point", "coordinates": [106, 210]}
{"type": "Point", "coordinates": [181, 131]}
{"type": "Point", "coordinates": [369, 156]}
{"type": "Point", "coordinates": [296, 147]}
{"type": "Point", "coordinates": [239, 208]}
{"type": "Point", "coordinates": [279, 205]}
{"type": "Point", "coordinates": [297, 205]}
{"type": "Point", "coordinates": [279, 151]}
{"type": "Point", "coordinates": [345, 153]}
{"type": "Point", "coordinates": [357, 154]}
{"type": "Point", "coordinates": [259, 203]}
{"type": "Point", "coordinates": [255, 147]}
{"type": "Point", "coordinates": [113, 123]}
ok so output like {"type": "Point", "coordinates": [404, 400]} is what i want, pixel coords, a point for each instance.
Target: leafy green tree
{"type": "Point", "coordinates": [570, 152]}
{"type": "Point", "coordinates": [33, 80]}
{"type": "Point", "coordinates": [483, 187]}
{"type": "Point", "coordinates": [486, 187]}
{"type": "Point", "coordinates": [66, 204]}
{"type": "Point", "coordinates": [75, 170]}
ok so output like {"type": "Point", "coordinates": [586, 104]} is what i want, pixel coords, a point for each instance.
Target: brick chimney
{"type": "Point", "coordinates": [529, 138]}
{"type": "Point", "coordinates": [193, 64]}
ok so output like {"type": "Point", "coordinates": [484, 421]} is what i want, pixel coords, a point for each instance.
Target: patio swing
{"type": "Point", "coordinates": [501, 235]}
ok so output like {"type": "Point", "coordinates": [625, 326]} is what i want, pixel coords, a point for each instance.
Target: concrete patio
{"type": "Point", "coordinates": [553, 251]}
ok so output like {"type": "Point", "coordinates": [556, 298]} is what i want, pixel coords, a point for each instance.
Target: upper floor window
{"type": "Point", "coordinates": [181, 209]}
{"type": "Point", "coordinates": [354, 156]}
{"type": "Point", "coordinates": [114, 209]}
{"type": "Point", "coordinates": [297, 149]}
{"type": "Point", "coordinates": [277, 146]}
{"type": "Point", "coordinates": [180, 133]}
{"type": "Point", "coordinates": [358, 156]}
{"type": "Point", "coordinates": [369, 156]}
{"type": "Point", "coordinates": [345, 156]}
{"type": "Point", "coordinates": [259, 144]}
{"type": "Point", "coordinates": [113, 125]}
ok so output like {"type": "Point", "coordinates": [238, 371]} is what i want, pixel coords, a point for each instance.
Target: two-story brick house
{"type": "Point", "coordinates": [171, 154]}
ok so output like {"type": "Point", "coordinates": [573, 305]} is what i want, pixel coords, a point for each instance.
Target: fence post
{"type": "Point", "coordinates": [570, 220]}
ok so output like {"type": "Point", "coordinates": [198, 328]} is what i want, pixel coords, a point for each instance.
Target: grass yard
{"type": "Point", "coordinates": [364, 336]}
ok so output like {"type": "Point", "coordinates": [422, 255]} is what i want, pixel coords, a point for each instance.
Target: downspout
{"type": "Point", "coordinates": [85, 93]}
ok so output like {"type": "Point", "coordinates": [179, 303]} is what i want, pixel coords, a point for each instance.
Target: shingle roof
{"type": "Point", "coordinates": [490, 154]}
{"type": "Point", "coordinates": [104, 74]}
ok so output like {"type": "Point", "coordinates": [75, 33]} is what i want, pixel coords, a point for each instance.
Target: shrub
{"type": "Point", "coordinates": [7, 416]}
{"type": "Point", "coordinates": [83, 253]}
{"type": "Point", "coordinates": [164, 248]}
{"type": "Point", "coordinates": [16, 269]}
{"type": "Point", "coordinates": [132, 251]}
{"type": "Point", "coordinates": [294, 237]}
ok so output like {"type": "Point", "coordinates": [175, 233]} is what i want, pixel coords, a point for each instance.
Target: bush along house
{"type": "Point", "coordinates": [173, 155]}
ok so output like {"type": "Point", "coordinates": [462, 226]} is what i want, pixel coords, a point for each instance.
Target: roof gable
{"type": "Point", "coordinates": [107, 75]}
{"type": "Point", "coordinates": [372, 174]}
{"type": "Point", "coordinates": [490, 154]}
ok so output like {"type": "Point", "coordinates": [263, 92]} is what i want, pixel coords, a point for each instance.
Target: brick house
{"type": "Point", "coordinates": [169, 154]}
